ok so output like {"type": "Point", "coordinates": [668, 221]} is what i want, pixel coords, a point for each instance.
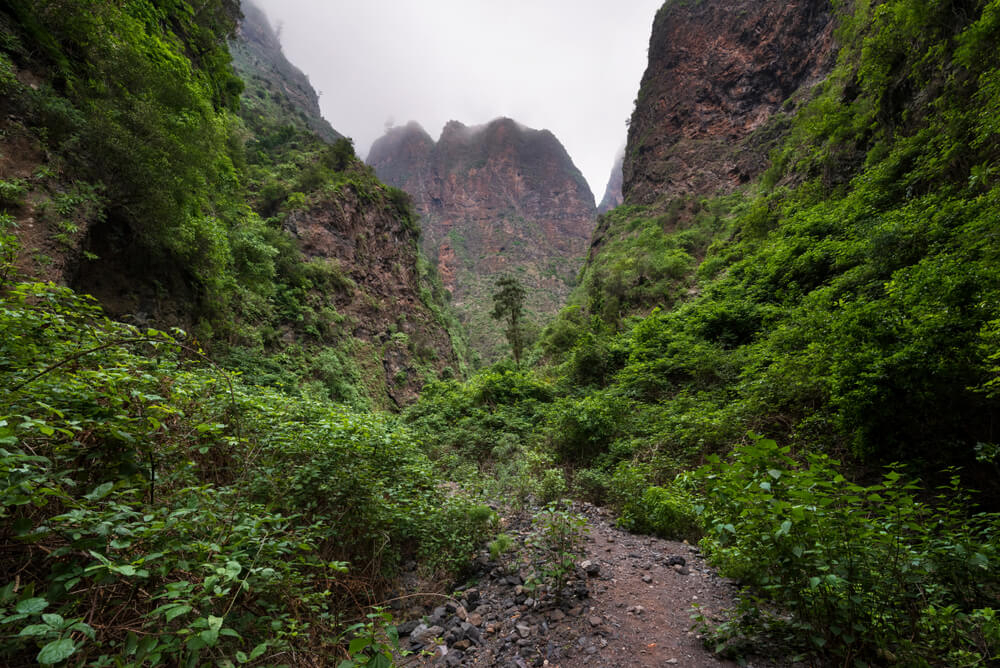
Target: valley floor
{"type": "Point", "coordinates": [632, 603]}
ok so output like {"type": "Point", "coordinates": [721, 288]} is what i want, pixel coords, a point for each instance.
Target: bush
{"type": "Point", "coordinates": [866, 571]}
{"type": "Point", "coordinates": [667, 512]}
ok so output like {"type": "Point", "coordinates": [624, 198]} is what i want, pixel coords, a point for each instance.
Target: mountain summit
{"type": "Point", "coordinates": [494, 199]}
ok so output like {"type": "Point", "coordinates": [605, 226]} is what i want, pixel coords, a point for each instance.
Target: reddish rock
{"type": "Point", "coordinates": [493, 199]}
{"type": "Point", "coordinates": [719, 72]}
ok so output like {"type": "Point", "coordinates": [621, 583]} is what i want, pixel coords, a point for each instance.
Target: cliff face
{"type": "Point", "coordinates": [246, 221]}
{"type": "Point", "coordinates": [613, 191]}
{"type": "Point", "coordinates": [493, 200]}
{"type": "Point", "coordinates": [719, 72]}
{"type": "Point", "coordinates": [274, 86]}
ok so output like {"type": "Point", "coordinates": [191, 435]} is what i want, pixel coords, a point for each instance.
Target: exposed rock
{"type": "Point", "coordinates": [719, 72]}
{"type": "Point", "coordinates": [494, 199]}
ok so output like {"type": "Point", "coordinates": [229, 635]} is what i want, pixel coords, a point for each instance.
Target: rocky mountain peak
{"type": "Point", "coordinates": [498, 198]}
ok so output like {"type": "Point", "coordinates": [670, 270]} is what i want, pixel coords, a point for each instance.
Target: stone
{"type": "Point", "coordinates": [647, 579]}
{"type": "Point", "coordinates": [461, 613]}
{"type": "Point", "coordinates": [591, 568]}
{"type": "Point", "coordinates": [523, 630]}
{"type": "Point", "coordinates": [595, 620]}
{"type": "Point", "coordinates": [676, 561]}
{"type": "Point", "coordinates": [427, 634]}
{"type": "Point", "coordinates": [406, 628]}
{"type": "Point", "coordinates": [556, 615]}
{"type": "Point", "coordinates": [475, 619]}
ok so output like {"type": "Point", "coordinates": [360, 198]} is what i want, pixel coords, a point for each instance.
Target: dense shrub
{"type": "Point", "coordinates": [158, 511]}
{"type": "Point", "coordinates": [865, 570]}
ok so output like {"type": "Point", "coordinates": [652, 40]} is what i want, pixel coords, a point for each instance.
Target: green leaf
{"type": "Point", "coordinates": [774, 473]}
{"type": "Point", "coordinates": [31, 606]}
{"type": "Point", "coordinates": [85, 629]}
{"type": "Point", "coordinates": [56, 651]}
{"type": "Point", "coordinates": [36, 630]}
{"type": "Point", "coordinates": [380, 661]}
{"type": "Point", "coordinates": [258, 650]}
{"type": "Point", "coordinates": [358, 644]}
{"type": "Point", "coordinates": [53, 619]}
{"type": "Point", "coordinates": [100, 491]}
{"type": "Point", "coordinates": [241, 656]}
{"type": "Point", "coordinates": [177, 611]}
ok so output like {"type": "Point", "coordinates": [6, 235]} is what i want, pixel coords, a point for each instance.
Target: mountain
{"type": "Point", "coordinates": [494, 199]}
{"type": "Point", "coordinates": [275, 88]}
{"type": "Point", "coordinates": [208, 193]}
{"type": "Point", "coordinates": [613, 191]}
{"type": "Point", "coordinates": [807, 236]}
{"type": "Point", "coordinates": [713, 97]}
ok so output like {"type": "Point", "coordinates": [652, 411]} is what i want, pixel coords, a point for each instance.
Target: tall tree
{"type": "Point", "coordinates": [508, 305]}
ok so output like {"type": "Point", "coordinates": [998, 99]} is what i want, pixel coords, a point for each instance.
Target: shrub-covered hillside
{"type": "Point", "coordinates": [837, 315]}
{"type": "Point", "coordinates": [137, 166]}
{"type": "Point", "coordinates": [157, 511]}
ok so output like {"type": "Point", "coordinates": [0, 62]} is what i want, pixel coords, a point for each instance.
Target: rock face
{"type": "Point", "coordinates": [271, 78]}
{"type": "Point", "coordinates": [709, 106]}
{"type": "Point", "coordinates": [613, 192]}
{"type": "Point", "coordinates": [397, 333]}
{"type": "Point", "coordinates": [493, 199]}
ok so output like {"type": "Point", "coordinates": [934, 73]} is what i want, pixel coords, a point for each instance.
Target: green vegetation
{"type": "Point", "coordinates": [157, 510]}
{"type": "Point", "coordinates": [153, 164]}
{"type": "Point", "coordinates": [508, 306]}
{"type": "Point", "coordinates": [845, 307]}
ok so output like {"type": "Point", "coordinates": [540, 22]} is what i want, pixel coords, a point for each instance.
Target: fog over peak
{"type": "Point", "coordinates": [569, 66]}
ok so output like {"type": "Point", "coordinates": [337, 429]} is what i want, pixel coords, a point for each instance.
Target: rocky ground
{"type": "Point", "coordinates": [628, 603]}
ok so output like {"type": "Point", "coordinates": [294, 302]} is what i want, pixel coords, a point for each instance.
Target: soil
{"type": "Point", "coordinates": [630, 603]}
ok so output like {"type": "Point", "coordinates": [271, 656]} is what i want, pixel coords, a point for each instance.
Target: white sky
{"type": "Point", "coordinates": [569, 66]}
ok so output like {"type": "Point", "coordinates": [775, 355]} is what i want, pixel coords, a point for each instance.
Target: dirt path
{"type": "Point", "coordinates": [630, 604]}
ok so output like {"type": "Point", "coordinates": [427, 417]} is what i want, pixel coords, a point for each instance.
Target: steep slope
{"type": "Point", "coordinates": [179, 196]}
{"type": "Point", "coordinates": [494, 199]}
{"type": "Point", "coordinates": [844, 298]}
{"type": "Point", "coordinates": [613, 191]}
{"type": "Point", "coordinates": [275, 88]}
{"type": "Point", "coordinates": [718, 74]}
{"type": "Point", "coordinates": [720, 92]}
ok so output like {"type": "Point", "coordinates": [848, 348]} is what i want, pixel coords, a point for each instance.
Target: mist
{"type": "Point", "coordinates": [572, 67]}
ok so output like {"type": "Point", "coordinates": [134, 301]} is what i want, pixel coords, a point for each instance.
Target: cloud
{"type": "Point", "coordinates": [572, 67]}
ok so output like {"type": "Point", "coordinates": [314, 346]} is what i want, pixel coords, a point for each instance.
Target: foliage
{"type": "Point", "coordinates": [558, 542]}
{"type": "Point", "coordinates": [157, 511]}
{"type": "Point", "coordinates": [374, 643]}
{"type": "Point", "coordinates": [863, 569]}
{"type": "Point", "coordinates": [508, 306]}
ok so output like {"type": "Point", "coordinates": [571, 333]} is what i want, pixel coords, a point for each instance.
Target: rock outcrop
{"type": "Point", "coordinates": [710, 103]}
{"type": "Point", "coordinates": [494, 199]}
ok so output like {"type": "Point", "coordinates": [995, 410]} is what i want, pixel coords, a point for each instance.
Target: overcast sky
{"type": "Point", "coordinates": [569, 66]}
